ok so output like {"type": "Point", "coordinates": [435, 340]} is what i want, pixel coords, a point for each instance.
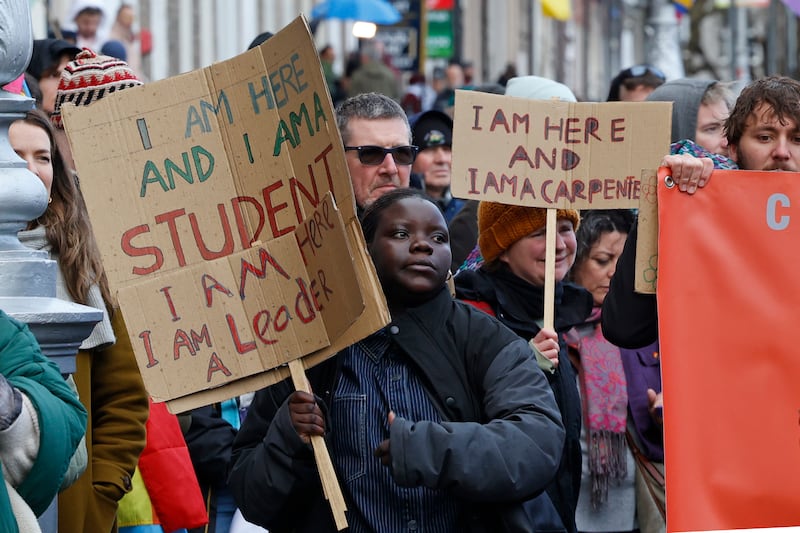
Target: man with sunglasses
{"type": "Point", "coordinates": [377, 143]}
{"type": "Point", "coordinates": [634, 83]}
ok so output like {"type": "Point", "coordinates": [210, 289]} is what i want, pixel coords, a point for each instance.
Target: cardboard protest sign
{"type": "Point", "coordinates": [551, 153]}
{"type": "Point", "coordinates": [647, 235]}
{"type": "Point", "coordinates": [727, 302]}
{"type": "Point", "coordinates": [211, 195]}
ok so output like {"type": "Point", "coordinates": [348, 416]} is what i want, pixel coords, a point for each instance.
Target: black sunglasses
{"type": "Point", "coordinates": [640, 70]}
{"type": "Point", "coordinates": [374, 155]}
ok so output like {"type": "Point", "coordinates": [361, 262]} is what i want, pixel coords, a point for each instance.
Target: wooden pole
{"type": "Point", "coordinates": [330, 485]}
{"type": "Point", "coordinates": [550, 269]}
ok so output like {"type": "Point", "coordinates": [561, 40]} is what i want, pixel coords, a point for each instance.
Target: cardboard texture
{"type": "Point", "coordinates": [211, 195]}
{"type": "Point", "coordinates": [550, 153]}
{"type": "Point", "coordinates": [647, 237]}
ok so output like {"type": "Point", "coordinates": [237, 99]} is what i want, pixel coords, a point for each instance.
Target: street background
{"type": "Point", "coordinates": [722, 39]}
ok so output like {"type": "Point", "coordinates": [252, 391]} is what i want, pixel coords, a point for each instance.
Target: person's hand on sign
{"type": "Point", "coordinates": [689, 172]}
{"type": "Point", "coordinates": [656, 401]}
{"type": "Point", "coordinates": [383, 451]}
{"type": "Point", "coordinates": [306, 416]}
{"type": "Point", "coordinates": [546, 341]}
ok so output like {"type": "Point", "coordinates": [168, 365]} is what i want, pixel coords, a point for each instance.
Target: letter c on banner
{"type": "Point", "coordinates": [773, 201]}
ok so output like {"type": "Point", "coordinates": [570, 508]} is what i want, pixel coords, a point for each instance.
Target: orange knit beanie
{"type": "Point", "coordinates": [501, 225]}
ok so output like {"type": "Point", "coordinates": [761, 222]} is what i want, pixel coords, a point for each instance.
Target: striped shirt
{"type": "Point", "coordinates": [376, 378]}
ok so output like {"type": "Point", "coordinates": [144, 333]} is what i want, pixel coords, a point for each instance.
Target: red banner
{"type": "Point", "coordinates": [729, 307]}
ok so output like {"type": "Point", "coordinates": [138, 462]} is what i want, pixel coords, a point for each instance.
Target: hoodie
{"type": "Point", "coordinates": [686, 95]}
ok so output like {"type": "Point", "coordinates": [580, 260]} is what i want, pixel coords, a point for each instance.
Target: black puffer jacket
{"type": "Point", "coordinates": [520, 306]}
{"type": "Point", "coordinates": [475, 370]}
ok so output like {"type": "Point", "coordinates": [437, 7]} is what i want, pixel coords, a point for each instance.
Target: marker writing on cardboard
{"type": "Point", "coordinates": [276, 89]}
{"type": "Point", "coordinates": [567, 130]}
{"type": "Point", "coordinates": [201, 167]}
{"type": "Point", "coordinates": [552, 191]}
{"type": "Point", "coordinates": [265, 212]}
{"type": "Point", "coordinates": [201, 118]}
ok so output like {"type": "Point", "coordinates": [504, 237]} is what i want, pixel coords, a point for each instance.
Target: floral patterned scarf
{"type": "Point", "coordinates": [605, 405]}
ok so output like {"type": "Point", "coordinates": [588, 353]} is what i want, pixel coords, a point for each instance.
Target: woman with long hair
{"type": "Point", "coordinates": [607, 500]}
{"type": "Point", "coordinates": [107, 377]}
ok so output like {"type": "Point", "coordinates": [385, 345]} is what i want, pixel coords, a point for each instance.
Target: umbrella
{"type": "Point", "coordinates": [375, 11]}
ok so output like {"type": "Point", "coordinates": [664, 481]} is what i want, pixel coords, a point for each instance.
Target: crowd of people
{"type": "Point", "coordinates": [383, 395]}
{"type": "Point", "coordinates": [465, 413]}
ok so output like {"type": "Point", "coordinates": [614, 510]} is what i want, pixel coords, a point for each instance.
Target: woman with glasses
{"type": "Point", "coordinates": [634, 83]}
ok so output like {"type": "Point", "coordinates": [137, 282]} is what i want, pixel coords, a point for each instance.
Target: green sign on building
{"type": "Point", "coordinates": [440, 34]}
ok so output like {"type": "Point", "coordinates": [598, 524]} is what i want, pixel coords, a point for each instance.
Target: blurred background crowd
{"type": "Point", "coordinates": [582, 43]}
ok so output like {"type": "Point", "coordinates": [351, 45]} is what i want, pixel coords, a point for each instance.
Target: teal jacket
{"type": "Point", "coordinates": [62, 418]}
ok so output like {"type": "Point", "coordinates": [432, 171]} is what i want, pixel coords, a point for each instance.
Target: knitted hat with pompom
{"type": "Point", "coordinates": [90, 77]}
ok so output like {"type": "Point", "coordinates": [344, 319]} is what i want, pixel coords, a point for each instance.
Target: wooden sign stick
{"type": "Point", "coordinates": [550, 268]}
{"type": "Point", "coordinates": [330, 485]}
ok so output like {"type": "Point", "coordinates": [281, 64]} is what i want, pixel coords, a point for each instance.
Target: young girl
{"type": "Point", "coordinates": [441, 421]}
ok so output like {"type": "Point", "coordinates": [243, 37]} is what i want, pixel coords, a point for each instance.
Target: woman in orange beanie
{"type": "Point", "coordinates": [510, 285]}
